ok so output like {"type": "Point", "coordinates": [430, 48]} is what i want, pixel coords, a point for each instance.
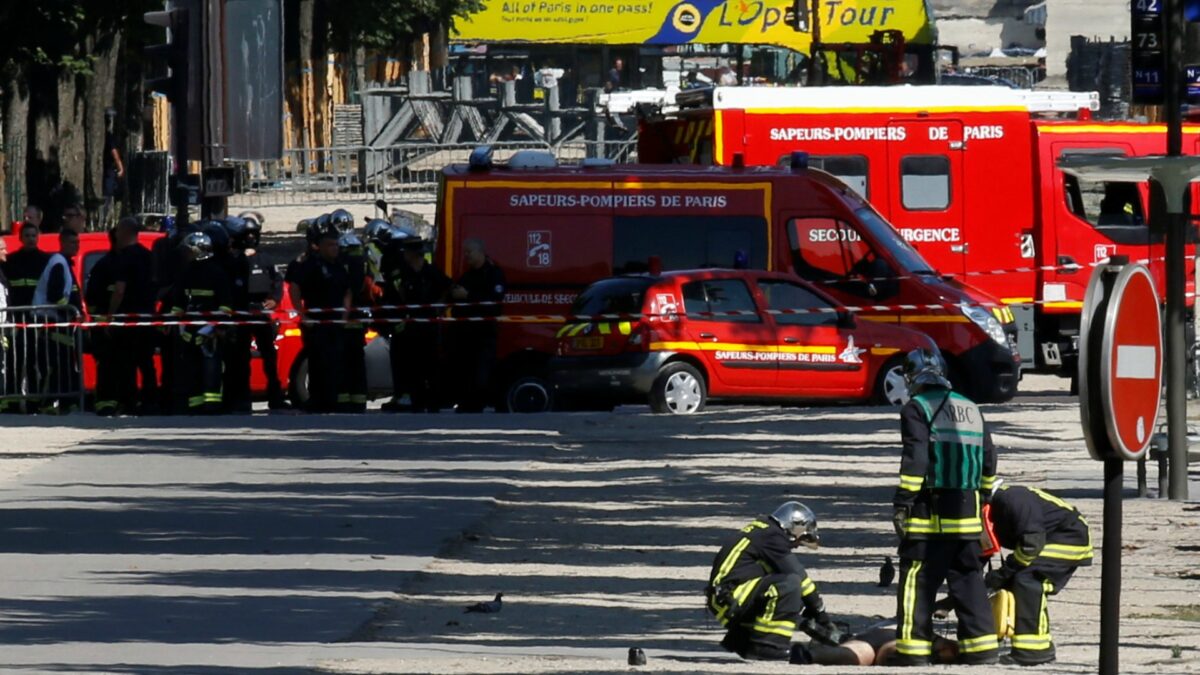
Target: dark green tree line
{"type": "Point", "coordinates": [64, 62]}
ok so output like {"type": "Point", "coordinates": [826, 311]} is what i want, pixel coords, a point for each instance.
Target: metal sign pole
{"type": "Point", "coordinates": [1175, 363]}
{"type": "Point", "coordinates": [1110, 571]}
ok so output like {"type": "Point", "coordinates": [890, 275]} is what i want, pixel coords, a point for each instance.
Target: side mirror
{"type": "Point", "coordinates": [845, 320]}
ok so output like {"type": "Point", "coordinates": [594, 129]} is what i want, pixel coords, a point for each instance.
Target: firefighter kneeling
{"type": "Point", "coordinates": [1049, 540]}
{"type": "Point", "coordinates": [758, 587]}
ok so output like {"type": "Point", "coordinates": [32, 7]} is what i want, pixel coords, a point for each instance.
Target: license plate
{"type": "Point", "coordinates": [590, 342]}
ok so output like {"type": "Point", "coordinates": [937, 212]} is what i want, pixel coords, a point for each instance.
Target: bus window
{"type": "Point", "coordinates": [1113, 208]}
{"type": "Point", "coordinates": [831, 251]}
{"type": "Point", "coordinates": [816, 245]}
{"type": "Point", "coordinates": [850, 169]}
{"type": "Point", "coordinates": [925, 182]}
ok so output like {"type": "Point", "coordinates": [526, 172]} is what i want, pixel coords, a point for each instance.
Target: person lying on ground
{"type": "Point", "coordinates": [876, 645]}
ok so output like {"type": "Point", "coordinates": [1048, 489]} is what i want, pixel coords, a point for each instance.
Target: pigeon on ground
{"type": "Point", "coordinates": [887, 572]}
{"type": "Point", "coordinates": [487, 607]}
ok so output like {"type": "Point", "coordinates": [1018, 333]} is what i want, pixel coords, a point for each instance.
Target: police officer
{"type": "Point", "coordinates": [324, 291]}
{"type": "Point", "coordinates": [475, 348]}
{"type": "Point", "coordinates": [236, 348]}
{"type": "Point", "coordinates": [133, 292]}
{"type": "Point", "coordinates": [393, 266]}
{"type": "Point", "coordinates": [170, 258]}
{"type": "Point", "coordinates": [1049, 540]}
{"type": "Point", "coordinates": [421, 283]}
{"type": "Point", "coordinates": [105, 342]}
{"type": "Point", "coordinates": [947, 466]}
{"type": "Point", "coordinates": [23, 268]}
{"type": "Point", "coordinates": [374, 235]}
{"type": "Point", "coordinates": [352, 396]}
{"type": "Point", "coordinates": [201, 289]}
{"type": "Point", "coordinates": [757, 588]}
{"type": "Point", "coordinates": [4, 332]}
{"type": "Point", "coordinates": [58, 287]}
{"type": "Point", "coordinates": [296, 267]}
{"type": "Point", "coordinates": [264, 293]}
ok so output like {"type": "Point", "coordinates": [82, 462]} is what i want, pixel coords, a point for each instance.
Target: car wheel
{"type": "Point", "coordinates": [890, 387]}
{"type": "Point", "coordinates": [528, 394]}
{"type": "Point", "coordinates": [298, 383]}
{"type": "Point", "coordinates": [679, 389]}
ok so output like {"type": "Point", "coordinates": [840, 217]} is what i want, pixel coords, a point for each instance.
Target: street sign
{"type": "Point", "coordinates": [1148, 58]}
{"type": "Point", "coordinates": [1121, 352]}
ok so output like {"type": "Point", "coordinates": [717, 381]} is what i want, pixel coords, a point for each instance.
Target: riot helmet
{"type": "Point", "coordinates": [236, 228]}
{"type": "Point", "coordinates": [253, 232]}
{"type": "Point", "coordinates": [375, 228]}
{"type": "Point", "coordinates": [799, 522]}
{"type": "Point", "coordinates": [342, 220]}
{"type": "Point", "coordinates": [198, 245]}
{"type": "Point", "coordinates": [255, 216]}
{"type": "Point", "coordinates": [401, 237]}
{"type": "Point", "coordinates": [925, 368]}
{"type": "Point", "coordinates": [217, 234]}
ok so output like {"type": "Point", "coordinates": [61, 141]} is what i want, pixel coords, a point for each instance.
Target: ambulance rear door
{"type": "Point", "coordinates": [926, 195]}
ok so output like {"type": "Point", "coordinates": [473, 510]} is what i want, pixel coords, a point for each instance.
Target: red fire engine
{"type": "Point", "coordinates": [967, 174]}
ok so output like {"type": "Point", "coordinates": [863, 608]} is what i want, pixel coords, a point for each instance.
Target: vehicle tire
{"type": "Point", "coordinates": [528, 394]}
{"type": "Point", "coordinates": [298, 382]}
{"type": "Point", "coordinates": [679, 389]}
{"type": "Point", "coordinates": [890, 387]}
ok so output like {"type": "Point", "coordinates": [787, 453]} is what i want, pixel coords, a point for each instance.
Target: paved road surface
{"type": "Point", "coordinates": [204, 548]}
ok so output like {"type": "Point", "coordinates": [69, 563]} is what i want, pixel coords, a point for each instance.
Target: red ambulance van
{"type": "Point", "coordinates": [555, 229]}
{"type": "Point", "coordinates": [968, 175]}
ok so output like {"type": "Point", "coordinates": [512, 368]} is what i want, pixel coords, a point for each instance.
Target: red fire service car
{"type": "Point", "coordinates": [968, 175]}
{"type": "Point", "coordinates": [731, 334]}
{"type": "Point", "coordinates": [555, 229]}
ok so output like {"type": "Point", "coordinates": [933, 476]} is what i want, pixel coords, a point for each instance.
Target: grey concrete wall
{"type": "Point", "coordinates": [1090, 18]}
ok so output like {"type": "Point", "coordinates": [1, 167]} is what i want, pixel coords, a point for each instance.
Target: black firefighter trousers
{"type": "Point", "coordinates": [923, 568]}
{"type": "Point", "coordinates": [763, 628]}
{"type": "Point", "coordinates": [1031, 588]}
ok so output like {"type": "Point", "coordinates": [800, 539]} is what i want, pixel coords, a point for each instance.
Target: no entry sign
{"type": "Point", "coordinates": [1120, 352]}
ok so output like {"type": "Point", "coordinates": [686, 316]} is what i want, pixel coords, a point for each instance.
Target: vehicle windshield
{"type": "Point", "coordinates": [624, 295]}
{"type": "Point", "coordinates": [907, 257]}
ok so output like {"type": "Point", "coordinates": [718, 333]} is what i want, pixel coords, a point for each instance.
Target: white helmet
{"type": "Point", "coordinates": [799, 522]}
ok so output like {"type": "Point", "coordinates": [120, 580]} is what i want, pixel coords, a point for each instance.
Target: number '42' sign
{"type": "Point", "coordinates": [1147, 6]}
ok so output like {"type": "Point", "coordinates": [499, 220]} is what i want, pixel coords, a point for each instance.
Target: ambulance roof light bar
{"type": "Point", "coordinates": [480, 159]}
{"type": "Point", "coordinates": [910, 97]}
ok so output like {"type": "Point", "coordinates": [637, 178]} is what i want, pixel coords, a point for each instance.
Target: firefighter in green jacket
{"type": "Point", "coordinates": [947, 468]}
{"type": "Point", "coordinates": [1049, 539]}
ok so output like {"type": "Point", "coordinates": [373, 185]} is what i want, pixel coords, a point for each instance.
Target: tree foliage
{"type": "Point", "coordinates": [384, 24]}
{"type": "Point", "coordinates": [55, 33]}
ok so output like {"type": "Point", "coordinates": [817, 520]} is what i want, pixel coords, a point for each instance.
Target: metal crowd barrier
{"type": "Point", "coordinates": [41, 368]}
{"type": "Point", "coordinates": [401, 172]}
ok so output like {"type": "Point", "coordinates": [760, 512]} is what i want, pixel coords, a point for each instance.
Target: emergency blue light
{"type": "Point", "coordinates": [799, 161]}
{"type": "Point", "coordinates": [481, 158]}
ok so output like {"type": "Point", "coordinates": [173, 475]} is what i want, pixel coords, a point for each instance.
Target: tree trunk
{"type": "Point", "coordinates": [16, 125]}
{"type": "Point", "coordinates": [303, 108]}
{"type": "Point", "coordinates": [320, 68]}
{"type": "Point", "coordinates": [100, 94]}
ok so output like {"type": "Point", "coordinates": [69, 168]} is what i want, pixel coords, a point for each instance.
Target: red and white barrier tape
{"type": "Point", "coordinates": [170, 320]}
